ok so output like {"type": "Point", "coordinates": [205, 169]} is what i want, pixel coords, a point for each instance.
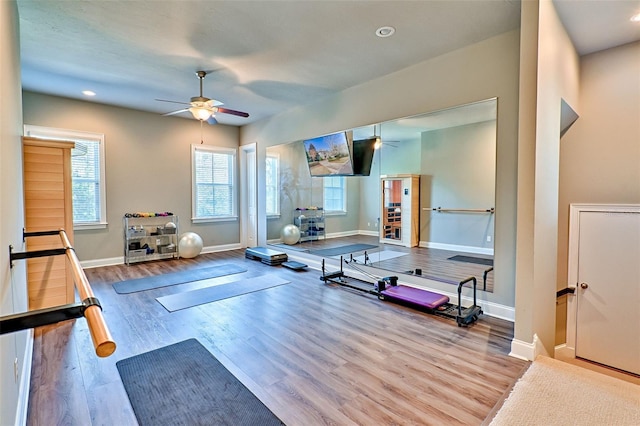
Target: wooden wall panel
{"type": "Point", "coordinates": [48, 206]}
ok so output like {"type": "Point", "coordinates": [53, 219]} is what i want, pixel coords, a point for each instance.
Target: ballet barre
{"type": "Point", "coordinates": [492, 210]}
{"type": "Point", "coordinates": [89, 307]}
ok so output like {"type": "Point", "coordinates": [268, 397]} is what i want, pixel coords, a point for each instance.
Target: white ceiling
{"type": "Point", "coordinates": [264, 56]}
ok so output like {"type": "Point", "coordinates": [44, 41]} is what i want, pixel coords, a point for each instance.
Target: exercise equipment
{"type": "Point", "coordinates": [387, 288]}
{"type": "Point", "coordinates": [266, 255]}
{"type": "Point", "coordinates": [296, 266]}
{"type": "Point", "coordinates": [290, 234]}
{"type": "Point", "coordinates": [190, 245]}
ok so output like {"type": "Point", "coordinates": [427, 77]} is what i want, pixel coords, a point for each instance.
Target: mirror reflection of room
{"type": "Point", "coordinates": [423, 206]}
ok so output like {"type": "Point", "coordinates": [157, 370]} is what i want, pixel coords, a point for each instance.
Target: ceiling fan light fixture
{"type": "Point", "coordinates": [200, 113]}
{"type": "Point", "coordinates": [378, 143]}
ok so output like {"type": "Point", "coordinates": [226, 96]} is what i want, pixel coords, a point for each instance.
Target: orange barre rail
{"type": "Point", "coordinates": [102, 340]}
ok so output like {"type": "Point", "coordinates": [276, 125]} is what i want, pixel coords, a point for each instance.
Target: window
{"type": "Point", "coordinates": [273, 185]}
{"type": "Point", "coordinates": [335, 194]}
{"type": "Point", "coordinates": [213, 187]}
{"type": "Point", "coordinates": [87, 174]}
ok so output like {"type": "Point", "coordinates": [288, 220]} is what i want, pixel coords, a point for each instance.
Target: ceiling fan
{"type": "Point", "coordinates": [202, 108]}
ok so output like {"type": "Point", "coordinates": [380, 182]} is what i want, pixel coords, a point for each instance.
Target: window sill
{"type": "Point", "coordinates": [273, 216]}
{"type": "Point", "coordinates": [214, 219]}
{"type": "Point", "coordinates": [89, 226]}
{"type": "Point", "coordinates": [335, 213]}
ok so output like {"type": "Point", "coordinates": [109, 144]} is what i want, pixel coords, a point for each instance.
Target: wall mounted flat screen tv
{"type": "Point", "coordinates": [329, 155]}
{"type": "Point", "coordinates": [363, 151]}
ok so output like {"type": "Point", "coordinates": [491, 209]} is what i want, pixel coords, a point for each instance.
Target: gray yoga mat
{"type": "Point", "coordinates": [184, 384]}
{"type": "Point", "coordinates": [173, 278]}
{"type": "Point", "coordinates": [472, 259]}
{"type": "Point", "coordinates": [336, 251]}
{"type": "Point", "coordinates": [188, 299]}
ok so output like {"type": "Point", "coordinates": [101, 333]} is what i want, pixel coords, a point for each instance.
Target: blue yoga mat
{"type": "Point", "coordinates": [173, 278]}
{"type": "Point", "coordinates": [188, 299]}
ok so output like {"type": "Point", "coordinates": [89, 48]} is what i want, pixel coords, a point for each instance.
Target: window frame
{"type": "Point", "coordinates": [276, 213]}
{"type": "Point", "coordinates": [53, 133]}
{"type": "Point", "coordinates": [343, 185]}
{"type": "Point", "coordinates": [234, 184]}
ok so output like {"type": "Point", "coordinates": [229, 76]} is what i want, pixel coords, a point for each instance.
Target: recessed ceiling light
{"type": "Point", "coordinates": [385, 31]}
{"type": "Point", "coordinates": [88, 93]}
{"type": "Point", "coordinates": [635, 18]}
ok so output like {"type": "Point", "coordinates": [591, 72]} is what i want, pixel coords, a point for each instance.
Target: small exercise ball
{"type": "Point", "coordinates": [170, 225]}
{"type": "Point", "coordinates": [190, 245]}
{"type": "Point", "coordinates": [290, 234]}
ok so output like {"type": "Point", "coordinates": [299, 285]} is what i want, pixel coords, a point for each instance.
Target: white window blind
{"type": "Point", "coordinates": [273, 185]}
{"type": "Point", "coordinates": [213, 182]}
{"type": "Point", "coordinates": [334, 194]}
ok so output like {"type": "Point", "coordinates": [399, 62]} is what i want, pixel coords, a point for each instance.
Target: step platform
{"type": "Point", "coordinates": [296, 266]}
{"type": "Point", "coordinates": [266, 255]}
{"type": "Point", "coordinates": [416, 296]}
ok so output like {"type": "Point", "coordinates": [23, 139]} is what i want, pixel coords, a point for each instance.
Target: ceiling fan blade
{"type": "Point", "coordinates": [173, 102]}
{"type": "Point", "coordinates": [232, 112]}
{"type": "Point", "coordinates": [212, 120]}
{"type": "Point", "coordinates": [176, 112]}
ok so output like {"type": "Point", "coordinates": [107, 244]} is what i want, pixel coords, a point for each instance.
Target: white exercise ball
{"type": "Point", "coordinates": [290, 234]}
{"type": "Point", "coordinates": [190, 245]}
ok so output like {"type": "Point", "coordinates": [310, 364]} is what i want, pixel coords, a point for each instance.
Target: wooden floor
{"type": "Point", "coordinates": [314, 353]}
{"type": "Point", "coordinates": [434, 263]}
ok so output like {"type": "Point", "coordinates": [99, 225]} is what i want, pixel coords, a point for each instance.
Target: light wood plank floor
{"type": "Point", "coordinates": [314, 353]}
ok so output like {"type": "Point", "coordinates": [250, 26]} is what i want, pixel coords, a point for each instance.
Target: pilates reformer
{"type": "Point", "coordinates": [89, 307]}
{"type": "Point", "coordinates": [387, 288]}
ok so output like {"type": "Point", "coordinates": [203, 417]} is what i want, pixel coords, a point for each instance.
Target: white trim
{"type": "Point", "coordinates": [243, 189]}
{"type": "Point", "coordinates": [455, 247]}
{"type": "Point", "coordinates": [572, 270]}
{"type": "Point", "coordinates": [96, 263]}
{"type": "Point", "coordinates": [527, 351]}
{"type": "Point", "coordinates": [25, 382]}
{"type": "Point", "coordinates": [369, 233]}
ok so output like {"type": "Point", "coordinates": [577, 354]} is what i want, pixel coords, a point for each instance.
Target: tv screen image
{"type": "Point", "coordinates": [329, 155]}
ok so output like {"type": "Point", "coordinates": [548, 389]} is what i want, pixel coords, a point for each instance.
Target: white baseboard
{"type": "Point", "coordinates": [95, 263]}
{"type": "Point", "coordinates": [25, 382]}
{"type": "Point", "coordinates": [454, 247]}
{"type": "Point", "coordinates": [527, 351]}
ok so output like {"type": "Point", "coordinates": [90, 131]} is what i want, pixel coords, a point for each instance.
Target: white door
{"type": "Point", "coordinates": [608, 289]}
{"type": "Point", "coordinates": [249, 205]}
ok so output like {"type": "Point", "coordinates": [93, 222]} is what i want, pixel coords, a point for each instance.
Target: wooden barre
{"type": "Point", "coordinates": [440, 209]}
{"type": "Point", "coordinates": [102, 341]}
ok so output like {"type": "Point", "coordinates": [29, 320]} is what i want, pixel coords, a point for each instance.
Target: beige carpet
{"type": "Point", "coordinates": [553, 392]}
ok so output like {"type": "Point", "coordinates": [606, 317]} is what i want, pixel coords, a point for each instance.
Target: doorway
{"type": "Point", "coordinates": [248, 185]}
{"type": "Point", "coordinates": [603, 322]}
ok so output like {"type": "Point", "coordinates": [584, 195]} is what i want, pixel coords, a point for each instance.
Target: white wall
{"type": "Point", "coordinates": [480, 71]}
{"type": "Point", "coordinates": [600, 154]}
{"type": "Point", "coordinates": [148, 166]}
{"type": "Point", "coordinates": [549, 72]}
{"type": "Point", "coordinates": [13, 289]}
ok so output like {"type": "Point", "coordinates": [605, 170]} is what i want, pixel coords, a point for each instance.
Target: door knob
{"type": "Point", "coordinates": [584, 286]}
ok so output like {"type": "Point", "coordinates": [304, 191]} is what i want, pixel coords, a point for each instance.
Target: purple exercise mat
{"type": "Point", "coordinates": [415, 295]}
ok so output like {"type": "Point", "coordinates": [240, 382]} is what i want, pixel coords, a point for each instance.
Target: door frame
{"type": "Point", "coordinates": [244, 192]}
{"type": "Point", "coordinates": [575, 210]}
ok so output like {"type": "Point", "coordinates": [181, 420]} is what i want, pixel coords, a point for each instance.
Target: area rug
{"type": "Point", "coordinates": [173, 278]}
{"type": "Point", "coordinates": [336, 251]}
{"type": "Point", "coordinates": [183, 384]}
{"type": "Point", "coordinates": [380, 256]}
{"type": "Point", "coordinates": [188, 299]}
{"type": "Point", "coordinates": [553, 392]}
{"type": "Point", "coordinates": [472, 259]}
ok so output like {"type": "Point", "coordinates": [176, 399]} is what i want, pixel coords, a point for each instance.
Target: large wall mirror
{"type": "Point", "coordinates": [414, 195]}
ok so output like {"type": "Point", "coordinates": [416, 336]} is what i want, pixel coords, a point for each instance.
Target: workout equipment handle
{"type": "Point", "coordinates": [102, 341]}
